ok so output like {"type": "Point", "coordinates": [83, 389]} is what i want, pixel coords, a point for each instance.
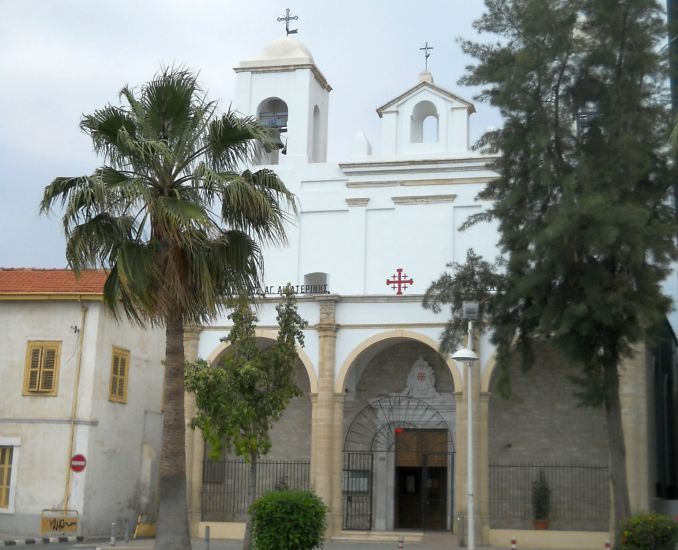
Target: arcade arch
{"type": "Point", "coordinates": [399, 423]}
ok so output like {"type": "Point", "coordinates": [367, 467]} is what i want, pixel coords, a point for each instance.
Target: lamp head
{"type": "Point", "coordinates": [465, 355]}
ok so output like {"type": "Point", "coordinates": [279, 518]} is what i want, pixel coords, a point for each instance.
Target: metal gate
{"type": "Point", "coordinates": [357, 489]}
{"type": "Point", "coordinates": [376, 432]}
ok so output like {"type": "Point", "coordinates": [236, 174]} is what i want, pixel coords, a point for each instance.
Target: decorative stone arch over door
{"type": "Point", "coordinates": [395, 335]}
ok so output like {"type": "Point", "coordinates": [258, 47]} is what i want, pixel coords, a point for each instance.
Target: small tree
{"type": "Point", "coordinates": [239, 399]}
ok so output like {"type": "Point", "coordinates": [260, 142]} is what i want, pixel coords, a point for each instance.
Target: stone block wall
{"type": "Point", "coordinates": [543, 423]}
{"type": "Point", "coordinates": [291, 435]}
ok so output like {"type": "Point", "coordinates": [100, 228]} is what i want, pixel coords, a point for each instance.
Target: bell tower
{"type": "Point", "coordinates": [284, 89]}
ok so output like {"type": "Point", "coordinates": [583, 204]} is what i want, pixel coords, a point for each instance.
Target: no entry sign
{"type": "Point", "coordinates": [78, 463]}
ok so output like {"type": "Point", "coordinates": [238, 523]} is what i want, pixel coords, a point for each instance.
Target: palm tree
{"type": "Point", "coordinates": [176, 223]}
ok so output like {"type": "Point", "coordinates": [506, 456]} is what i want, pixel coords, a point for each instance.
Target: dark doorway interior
{"type": "Point", "coordinates": [421, 479]}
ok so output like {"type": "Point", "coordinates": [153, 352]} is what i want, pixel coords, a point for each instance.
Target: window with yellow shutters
{"type": "Point", "coordinates": [119, 375]}
{"type": "Point", "coordinates": [42, 368]}
{"type": "Point", "coordinates": [5, 474]}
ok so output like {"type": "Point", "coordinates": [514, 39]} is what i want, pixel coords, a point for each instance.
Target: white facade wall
{"type": "Point", "coordinates": [361, 220]}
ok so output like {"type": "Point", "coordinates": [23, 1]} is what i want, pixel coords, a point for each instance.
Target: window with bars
{"type": "Point", "coordinates": [5, 474]}
{"type": "Point", "coordinates": [42, 368]}
{"type": "Point", "coordinates": [119, 376]}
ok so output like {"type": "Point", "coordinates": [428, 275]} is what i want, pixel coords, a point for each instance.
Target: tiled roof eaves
{"type": "Point", "coordinates": [77, 296]}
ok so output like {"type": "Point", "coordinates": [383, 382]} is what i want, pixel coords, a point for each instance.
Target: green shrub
{"type": "Point", "coordinates": [649, 532]}
{"type": "Point", "coordinates": [288, 520]}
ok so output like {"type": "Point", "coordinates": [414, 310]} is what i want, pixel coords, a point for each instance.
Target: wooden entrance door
{"type": "Point", "coordinates": [421, 479]}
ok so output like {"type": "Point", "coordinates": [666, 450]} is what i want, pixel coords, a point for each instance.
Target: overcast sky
{"type": "Point", "coordinates": [62, 58]}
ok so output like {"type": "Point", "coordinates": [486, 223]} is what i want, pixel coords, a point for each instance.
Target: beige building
{"type": "Point", "coordinates": [74, 383]}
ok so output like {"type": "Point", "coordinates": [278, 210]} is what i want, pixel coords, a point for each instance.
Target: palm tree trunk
{"type": "Point", "coordinates": [615, 434]}
{"type": "Point", "coordinates": [172, 533]}
{"type": "Point", "coordinates": [251, 494]}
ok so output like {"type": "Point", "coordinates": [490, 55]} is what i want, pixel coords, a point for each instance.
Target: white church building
{"type": "Point", "coordinates": [381, 431]}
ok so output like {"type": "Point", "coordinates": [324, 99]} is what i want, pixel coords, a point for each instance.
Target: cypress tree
{"type": "Point", "coordinates": [582, 198]}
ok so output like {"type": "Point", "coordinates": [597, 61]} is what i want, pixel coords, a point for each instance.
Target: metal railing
{"type": "Point", "coordinates": [579, 496]}
{"type": "Point", "coordinates": [225, 483]}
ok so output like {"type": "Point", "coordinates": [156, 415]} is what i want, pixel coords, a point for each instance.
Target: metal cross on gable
{"type": "Point", "coordinates": [287, 20]}
{"type": "Point", "coordinates": [425, 49]}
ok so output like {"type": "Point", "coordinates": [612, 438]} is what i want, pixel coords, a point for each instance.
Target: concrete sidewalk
{"type": "Point", "coordinates": [433, 542]}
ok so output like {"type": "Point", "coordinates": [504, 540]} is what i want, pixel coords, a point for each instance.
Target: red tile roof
{"type": "Point", "coordinates": [50, 281]}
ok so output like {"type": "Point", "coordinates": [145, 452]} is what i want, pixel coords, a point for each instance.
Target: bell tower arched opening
{"type": "Point", "coordinates": [424, 123]}
{"type": "Point", "coordinates": [273, 114]}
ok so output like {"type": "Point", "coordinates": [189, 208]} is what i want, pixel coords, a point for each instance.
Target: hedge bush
{"type": "Point", "coordinates": [649, 532]}
{"type": "Point", "coordinates": [288, 520]}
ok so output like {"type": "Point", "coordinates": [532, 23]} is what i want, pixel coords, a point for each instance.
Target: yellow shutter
{"type": "Point", "coordinates": [48, 371]}
{"type": "Point", "coordinates": [41, 373]}
{"type": "Point", "coordinates": [122, 377]}
{"type": "Point", "coordinates": [5, 474]}
{"type": "Point", "coordinates": [35, 353]}
{"type": "Point", "coordinates": [119, 375]}
{"type": "Point", "coordinates": [114, 376]}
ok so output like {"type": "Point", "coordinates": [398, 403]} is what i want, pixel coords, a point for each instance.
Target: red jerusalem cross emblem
{"type": "Point", "coordinates": [399, 282]}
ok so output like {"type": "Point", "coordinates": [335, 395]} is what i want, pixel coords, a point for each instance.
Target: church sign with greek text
{"type": "Point", "coordinates": [297, 289]}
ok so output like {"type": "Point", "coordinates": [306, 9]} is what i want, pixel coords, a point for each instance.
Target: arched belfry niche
{"type": "Point", "coordinates": [424, 123]}
{"type": "Point", "coordinates": [399, 427]}
{"type": "Point", "coordinates": [273, 113]}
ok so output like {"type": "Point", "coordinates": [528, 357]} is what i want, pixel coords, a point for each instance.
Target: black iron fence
{"type": "Point", "coordinates": [225, 483]}
{"type": "Point", "coordinates": [578, 496]}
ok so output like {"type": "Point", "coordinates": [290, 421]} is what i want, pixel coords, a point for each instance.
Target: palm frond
{"type": "Point", "coordinates": [95, 243]}
{"type": "Point", "coordinates": [231, 141]}
{"type": "Point", "coordinates": [251, 202]}
{"type": "Point", "coordinates": [147, 214]}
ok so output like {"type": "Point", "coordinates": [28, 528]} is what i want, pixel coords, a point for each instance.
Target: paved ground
{"type": "Point", "coordinates": [431, 541]}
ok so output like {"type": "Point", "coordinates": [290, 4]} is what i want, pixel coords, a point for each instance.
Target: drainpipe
{"type": "Point", "coordinates": [74, 405]}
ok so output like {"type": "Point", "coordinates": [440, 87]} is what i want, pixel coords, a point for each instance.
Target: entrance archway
{"type": "Point", "coordinates": [398, 449]}
{"type": "Point", "coordinates": [399, 425]}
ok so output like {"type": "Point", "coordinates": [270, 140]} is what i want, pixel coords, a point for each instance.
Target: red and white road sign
{"type": "Point", "coordinates": [78, 463]}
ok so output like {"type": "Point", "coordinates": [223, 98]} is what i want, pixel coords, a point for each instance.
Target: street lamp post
{"type": "Point", "coordinates": [468, 356]}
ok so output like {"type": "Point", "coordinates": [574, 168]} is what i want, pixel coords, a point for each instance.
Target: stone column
{"type": "Point", "coordinates": [194, 441]}
{"type": "Point", "coordinates": [337, 506]}
{"type": "Point", "coordinates": [483, 468]}
{"type": "Point", "coordinates": [460, 463]}
{"type": "Point", "coordinates": [633, 388]}
{"type": "Point", "coordinates": [314, 433]}
{"type": "Point", "coordinates": [323, 439]}
{"type": "Point", "coordinates": [480, 470]}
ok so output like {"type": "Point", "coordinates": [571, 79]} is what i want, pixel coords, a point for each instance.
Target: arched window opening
{"type": "Point", "coordinates": [272, 113]}
{"type": "Point", "coordinates": [424, 123]}
{"type": "Point", "coordinates": [316, 137]}
{"type": "Point", "coordinates": [430, 129]}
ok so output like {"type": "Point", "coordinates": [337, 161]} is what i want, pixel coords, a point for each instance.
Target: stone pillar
{"type": "Point", "coordinates": [480, 470]}
{"type": "Point", "coordinates": [323, 442]}
{"type": "Point", "coordinates": [633, 388]}
{"type": "Point", "coordinates": [460, 463]}
{"type": "Point", "coordinates": [194, 441]}
{"type": "Point", "coordinates": [337, 507]}
{"type": "Point", "coordinates": [483, 468]}
{"type": "Point", "coordinates": [314, 445]}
